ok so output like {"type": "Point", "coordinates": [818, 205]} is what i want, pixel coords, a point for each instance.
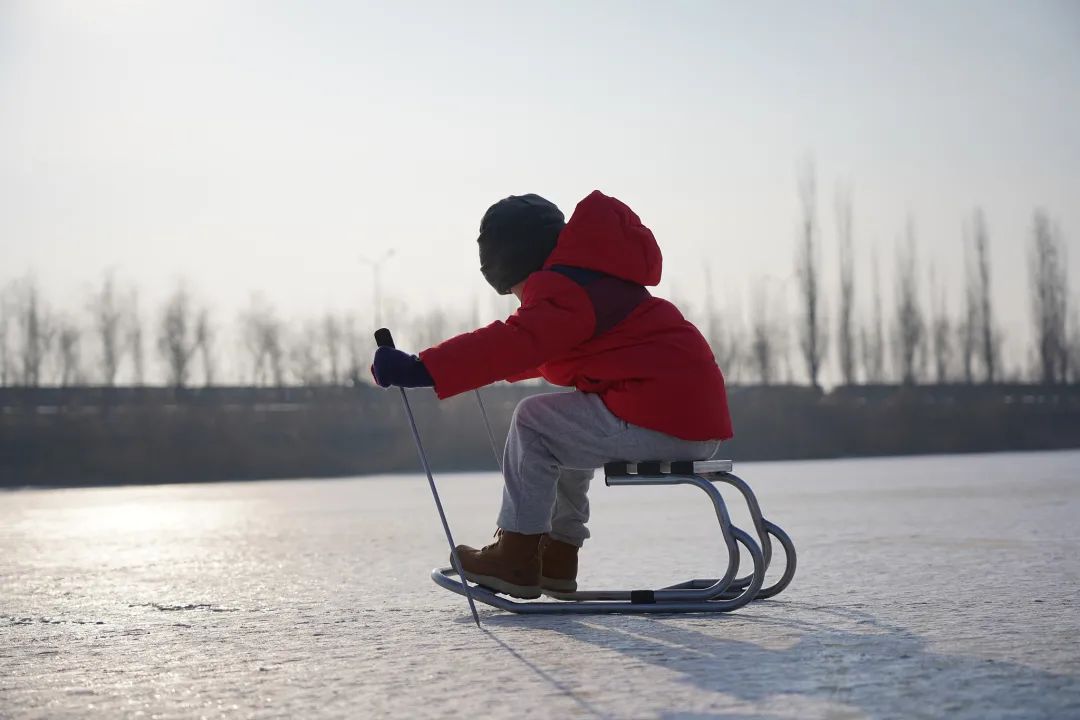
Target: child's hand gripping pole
{"type": "Point", "coordinates": [383, 338]}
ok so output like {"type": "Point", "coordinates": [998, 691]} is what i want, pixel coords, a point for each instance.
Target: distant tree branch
{"type": "Point", "coordinates": [1049, 298]}
{"type": "Point", "coordinates": [845, 314]}
{"type": "Point", "coordinates": [812, 329]}
{"type": "Point", "coordinates": [910, 329]}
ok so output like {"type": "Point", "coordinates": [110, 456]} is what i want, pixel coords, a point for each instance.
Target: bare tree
{"type": "Point", "coordinates": [910, 326]}
{"type": "Point", "coordinates": [845, 329]}
{"type": "Point", "coordinates": [969, 327]}
{"type": "Point", "coordinates": [722, 331]}
{"type": "Point", "coordinates": [177, 338]}
{"type": "Point", "coordinates": [1073, 370]}
{"type": "Point", "coordinates": [35, 331]}
{"type": "Point", "coordinates": [358, 349]}
{"type": "Point", "coordinates": [134, 339]}
{"type": "Point", "coordinates": [6, 363]}
{"type": "Point", "coordinates": [941, 331]}
{"type": "Point", "coordinates": [431, 328]}
{"type": "Point", "coordinates": [108, 314]}
{"type": "Point", "coordinates": [251, 342]}
{"type": "Point", "coordinates": [304, 356]}
{"type": "Point", "coordinates": [813, 339]}
{"type": "Point", "coordinates": [989, 340]}
{"type": "Point", "coordinates": [764, 340]}
{"type": "Point", "coordinates": [1049, 298]}
{"type": "Point", "coordinates": [333, 340]}
{"type": "Point", "coordinates": [262, 333]}
{"type": "Point", "coordinates": [273, 340]}
{"type": "Point", "coordinates": [67, 341]}
{"type": "Point", "coordinates": [872, 339]}
{"type": "Point", "coordinates": [204, 343]}
{"type": "Point", "coordinates": [735, 356]}
{"type": "Point", "coordinates": [980, 340]}
{"type": "Point", "coordinates": [784, 349]}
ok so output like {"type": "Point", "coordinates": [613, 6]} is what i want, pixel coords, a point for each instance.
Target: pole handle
{"type": "Point", "coordinates": [383, 338]}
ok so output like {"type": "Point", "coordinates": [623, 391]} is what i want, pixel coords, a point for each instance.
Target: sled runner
{"type": "Point", "coordinates": [693, 596]}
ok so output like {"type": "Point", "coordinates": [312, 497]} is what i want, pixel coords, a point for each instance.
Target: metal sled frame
{"type": "Point", "coordinates": [693, 596]}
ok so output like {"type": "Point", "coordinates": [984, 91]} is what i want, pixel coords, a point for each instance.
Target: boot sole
{"type": "Point", "coordinates": [523, 592]}
{"type": "Point", "coordinates": [559, 586]}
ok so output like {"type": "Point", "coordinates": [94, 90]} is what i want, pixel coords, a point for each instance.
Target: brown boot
{"type": "Point", "coordinates": [510, 565]}
{"type": "Point", "coordinates": [558, 565]}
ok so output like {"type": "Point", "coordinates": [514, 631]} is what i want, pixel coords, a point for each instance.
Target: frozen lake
{"type": "Point", "coordinates": [927, 587]}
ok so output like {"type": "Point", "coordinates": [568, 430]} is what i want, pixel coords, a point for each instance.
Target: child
{"type": "Point", "coordinates": [647, 384]}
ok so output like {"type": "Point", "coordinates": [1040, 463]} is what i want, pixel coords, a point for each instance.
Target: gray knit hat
{"type": "Point", "coordinates": [516, 236]}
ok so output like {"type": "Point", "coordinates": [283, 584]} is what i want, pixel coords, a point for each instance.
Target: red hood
{"type": "Point", "coordinates": [605, 235]}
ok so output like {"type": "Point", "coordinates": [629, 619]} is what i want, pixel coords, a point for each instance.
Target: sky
{"type": "Point", "coordinates": [271, 148]}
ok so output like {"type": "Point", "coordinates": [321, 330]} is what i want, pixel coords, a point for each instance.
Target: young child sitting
{"type": "Point", "coordinates": [647, 384]}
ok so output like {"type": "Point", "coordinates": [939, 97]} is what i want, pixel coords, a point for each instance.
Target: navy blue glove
{"type": "Point", "coordinates": [393, 367]}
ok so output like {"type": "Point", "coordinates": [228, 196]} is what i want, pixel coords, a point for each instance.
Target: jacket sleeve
{"type": "Point", "coordinates": [527, 375]}
{"type": "Point", "coordinates": [555, 316]}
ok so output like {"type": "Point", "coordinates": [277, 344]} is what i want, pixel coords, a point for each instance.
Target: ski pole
{"type": "Point", "coordinates": [491, 436]}
{"type": "Point", "coordinates": [383, 338]}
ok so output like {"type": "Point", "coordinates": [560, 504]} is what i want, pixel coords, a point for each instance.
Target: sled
{"type": "Point", "coordinates": [701, 595]}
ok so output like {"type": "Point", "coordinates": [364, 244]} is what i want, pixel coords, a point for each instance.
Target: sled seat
{"type": "Point", "coordinates": [660, 467]}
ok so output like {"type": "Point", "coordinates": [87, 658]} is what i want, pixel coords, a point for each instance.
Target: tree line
{"type": "Point", "coordinates": [913, 341]}
{"type": "Point", "coordinates": [912, 338]}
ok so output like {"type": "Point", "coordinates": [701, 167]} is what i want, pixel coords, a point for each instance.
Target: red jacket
{"type": "Point", "coordinates": [651, 367]}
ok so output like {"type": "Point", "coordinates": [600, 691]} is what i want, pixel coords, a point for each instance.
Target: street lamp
{"type": "Point", "coordinates": [376, 269]}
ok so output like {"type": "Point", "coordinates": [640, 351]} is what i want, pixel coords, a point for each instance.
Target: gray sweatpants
{"type": "Point", "coordinates": [555, 442]}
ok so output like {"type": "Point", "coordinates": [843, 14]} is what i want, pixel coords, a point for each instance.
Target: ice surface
{"type": "Point", "coordinates": [927, 587]}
